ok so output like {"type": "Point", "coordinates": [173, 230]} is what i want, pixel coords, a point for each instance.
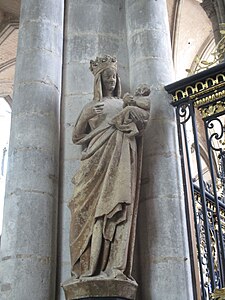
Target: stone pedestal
{"type": "Point", "coordinates": [99, 288]}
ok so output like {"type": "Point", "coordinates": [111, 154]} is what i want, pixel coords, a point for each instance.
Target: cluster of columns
{"type": "Point", "coordinates": [137, 32]}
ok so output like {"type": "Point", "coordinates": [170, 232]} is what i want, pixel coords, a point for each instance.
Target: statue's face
{"type": "Point", "coordinates": [109, 79]}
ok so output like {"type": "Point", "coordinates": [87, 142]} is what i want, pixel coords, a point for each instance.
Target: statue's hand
{"type": "Point", "coordinates": [98, 108]}
{"type": "Point", "coordinates": [95, 110]}
{"type": "Point", "coordinates": [129, 100]}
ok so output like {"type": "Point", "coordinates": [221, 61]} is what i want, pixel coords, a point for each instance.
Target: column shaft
{"type": "Point", "coordinates": [163, 256]}
{"type": "Point", "coordinates": [28, 264]}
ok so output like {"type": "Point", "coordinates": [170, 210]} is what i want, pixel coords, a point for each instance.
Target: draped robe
{"type": "Point", "coordinates": [105, 200]}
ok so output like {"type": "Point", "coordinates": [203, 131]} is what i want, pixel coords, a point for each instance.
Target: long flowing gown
{"type": "Point", "coordinates": [105, 200]}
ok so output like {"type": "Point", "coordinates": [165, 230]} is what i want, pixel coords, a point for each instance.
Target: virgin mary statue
{"type": "Point", "coordinates": [105, 200]}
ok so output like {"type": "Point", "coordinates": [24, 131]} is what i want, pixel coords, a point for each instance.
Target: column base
{"type": "Point", "coordinates": [94, 288]}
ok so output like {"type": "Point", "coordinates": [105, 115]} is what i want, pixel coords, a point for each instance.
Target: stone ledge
{"type": "Point", "coordinates": [92, 287]}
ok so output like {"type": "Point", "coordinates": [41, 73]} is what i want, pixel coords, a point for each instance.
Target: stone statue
{"type": "Point", "coordinates": [105, 200]}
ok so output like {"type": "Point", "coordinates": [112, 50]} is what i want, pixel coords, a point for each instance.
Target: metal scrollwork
{"type": "Point", "coordinates": [204, 171]}
{"type": "Point", "coordinates": [217, 135]}
{"type": "Point", "coordinates": [213, 228]}
{"type": "Point", "coordinates": [216, 142]}
{"type": "Point", "coordinates": [184, 112]}
{"type": "Point", "coordinates": [203, 249]}
{"type": "Point", "coordinates": [221, 175]}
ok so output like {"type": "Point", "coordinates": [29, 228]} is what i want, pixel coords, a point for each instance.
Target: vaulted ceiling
{"type": "Point", "coordinates": [191, 33]}
{"type": "Point", "coordinates": [190, 28]}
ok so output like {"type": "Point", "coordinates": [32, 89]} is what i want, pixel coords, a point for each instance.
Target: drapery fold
{"type": "Point", "coordinates": [106, 189]}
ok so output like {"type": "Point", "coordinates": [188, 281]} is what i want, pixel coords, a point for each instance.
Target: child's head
{"type": "Point", "coordinates": [142, 90]}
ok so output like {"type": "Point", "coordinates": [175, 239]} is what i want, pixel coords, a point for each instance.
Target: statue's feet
{"type": "Point", "coordinates": [74, 275]}
{"type": "Point", "coordinates": [109, 274]}
{"type": "Point", "coordinates": [90, 274]}
{"type": "Point", "coordinates": [86, 274]}
{"type": "Point", "coordinates": [117, 274]}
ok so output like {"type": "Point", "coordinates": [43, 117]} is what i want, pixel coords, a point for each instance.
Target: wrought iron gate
{"type": "Point", "coordinates": [200, 110]}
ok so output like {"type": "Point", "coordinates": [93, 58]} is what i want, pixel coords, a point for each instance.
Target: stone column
{"type": "Point", "coordinates": [28, 266]}
{"type": "Point", "coordinates": [92, 28]}
{"type": "Point", "coordinates": [163, 256]}
{"type": "Point", "coordinates": [213, 14]}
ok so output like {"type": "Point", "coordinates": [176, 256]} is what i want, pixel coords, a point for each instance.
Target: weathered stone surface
{"type": "Point", "coordinates": [99, 289]}
{"type": "Point", "coordinates": [145, 15]}
{"type": "Point", "coordinates": [36, 164]}
{"type": "Point", "coordinates": [31, 140]}
{"type": "Point", "coordinates": [26, 268]}
{"type": "Point", "coordinates": [145, 36]}
{"type": "Point", "coordinates": [77, 82]}
{"type": "Point", "coordinates": [28, 244]}
{"type": "Point", "coordinates": [35, 230]}
{"type": "Point", "coordinates": [112, 241]}
{"type": "Point", "coordinates": [166, 209]}
{"type": "Point", "coordinates": [105, 199]}
{"type": "Point", "coordinates": [100, 32]}
{"type": "Point", "coordinates": [35, 39]}
{"type": "Point", "coordinates": [47, 73]}
{"type": "Point", "coordinates": [41, 10]}
{"type": "Point", "coordinates": [44, 93]}
{"type": "Point", "coordinates": [105, 17]}
{"type": "Point", "coordinates": [143, 47]}
{"type": "Point", "coordinates": [163, 258]}
{"type": "Point", "coordinates": [152, 74]}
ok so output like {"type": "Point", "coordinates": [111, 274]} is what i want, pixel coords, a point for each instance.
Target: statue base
{"type": "Point", "coordinates": [93, 288]}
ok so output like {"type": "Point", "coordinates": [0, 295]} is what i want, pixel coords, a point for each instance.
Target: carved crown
{"type": "Point", "coordinates": [102, 63]}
